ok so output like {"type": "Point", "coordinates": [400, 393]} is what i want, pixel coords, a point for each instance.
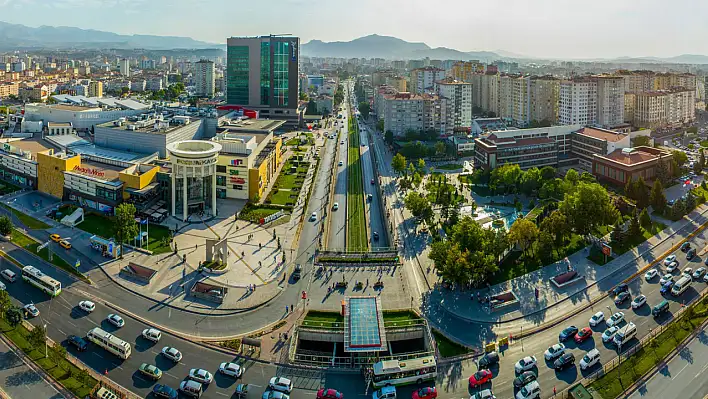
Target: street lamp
{"type": "Point", "coordinates": [45, 341]}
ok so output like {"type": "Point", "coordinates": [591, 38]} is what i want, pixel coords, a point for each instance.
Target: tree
{"type": "Point", "coordinates": [418, 205]}
{"type": "Point", "coordinates": [530, 181]}
{"type": "Point", "coordinates": [588, 207]}
{"type": "Point", "coordinates": [13, 316]}
{"type": "Point", "coordinates": [556, 224]}
{"type": "Point", "coordinates": [572, 176]}
{"type": "Point", "coordinates": [380, 126]}
{"type": "Point", "coordinates": [57, 355]}
{"type": "Point", "coordinates": [617, 236]}
{"type": "Point", "coordinates": [38, 336]}
{"type": "Point", "coordinates": [411, 168]}
{"type": "Point", "coordinates": [5, 225]}
{"type": "Point", "coordinates": [364, 109]}
{"type": "Point", "coordinates": [304, 97]}
{"type": "Point", "coordinates": [657, 199]}
{"type": "Point", "coordinates": [398, 163]}
{"type": "Point", "coordinates": [125, 226]}
{"type": "Point", "coordinates": [545, 247]}
{"type": "Point", "coordinates": [5, 301]}
{"type": "Point", "coordinates": [439, 148]}
{"type": "Point", "coordinates": [421, 164]}
{"type": "Point", "coordinates": [662, 171]}
{"type": "Point", "coordinates": [641, 141]}
{"type": "Point", "coordinates": [680, 158]}
{"type": "Point", "coordinates": [548, 173]}
{"type": "Point", "coordinates": [645, 219]}
{"type": "Point", "coordinates": [82, 376]}
{"type": "Point", "coordinates": [641, 191]}
{"type": "Point", "coordinates": [524, 232]}
{"type": "Point", "coordinates": [311, 108]}
{"type": "Point", "coordinates": [388, 137]}
{"type": "Point", "coordinates": [506, 176]}
{"type": "Point", "coordinates": [702, 159]}
{"type": "Point", "coordinates": [635, 229]}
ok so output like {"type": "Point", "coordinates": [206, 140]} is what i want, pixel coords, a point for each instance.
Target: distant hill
{"type": "Point", "coordinates": [19, 36]}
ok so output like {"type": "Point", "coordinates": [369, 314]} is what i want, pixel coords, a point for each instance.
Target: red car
{"type": "Point", "coordinates": [583, 334]}
{"type": "Point", "coordinates": [425, 393]}
{"type": "Point", "coordinates": [325, 393]}
{"type": "Point", "coordinates": [480, 378]}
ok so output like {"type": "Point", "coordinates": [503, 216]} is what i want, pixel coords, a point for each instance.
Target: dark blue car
{"type": "Point", "coordinates": [78, 342]}
{"type": "Point", "coordinates": [666, 288]}
{"type": "Point", "coordinates": [567, 333]}
{"type": "Point", "coordinates": [163, 391]}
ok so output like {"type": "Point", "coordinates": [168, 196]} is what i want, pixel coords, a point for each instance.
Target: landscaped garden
{"type": "Point", "coordinates": [103, 226]}
{"type": "Point", "coordinates": [356, 219]}
{"type": "Point", "coordinates": [286, 189]}
{"type": "Point", "coordinates": [334, 320]}
{"type": "Point", "coordinates": [27, 220]}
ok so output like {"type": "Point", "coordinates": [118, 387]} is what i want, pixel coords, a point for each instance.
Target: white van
{"type": "Point", "coordinates": [532, 390]}
{"type": "Point", "coordinates": [590, 359]}
{"type": "Point", "coordinates": [8, 275]}
{"type": "Point", "coordinates": [681, 285]}
{"type": "Point", "coordinates": [191, 388]}
{"type": "Point", "coordinates": [625, 334]}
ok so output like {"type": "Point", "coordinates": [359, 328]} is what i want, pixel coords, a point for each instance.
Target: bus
{"type": "Point", "coordinates": [40, 280]}
{"type": "Point", "coordinates": [681, 285]}
{"type": "Point", "coordinates": [401, 372]}
{"type": "Point", "coordinates": [109, 342]}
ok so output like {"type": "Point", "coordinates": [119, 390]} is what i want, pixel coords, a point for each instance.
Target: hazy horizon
{"type": "Point", "coordinates": [557, 29]}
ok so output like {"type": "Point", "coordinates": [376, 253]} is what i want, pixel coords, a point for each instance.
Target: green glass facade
{"type": "Point", "coordinates": [281, 58]}
{"type": "Point", "coordinates": [237, 75]}
{"type": "Point", "coordinates": [265, 73]}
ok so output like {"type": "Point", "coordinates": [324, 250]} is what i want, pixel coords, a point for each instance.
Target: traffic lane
{"type": "Point", "coordinates": [682, 377]}
{"type": "Point", "coordinates": [338, 222]}
{"type": "Point", "coordinates": [374, 206]}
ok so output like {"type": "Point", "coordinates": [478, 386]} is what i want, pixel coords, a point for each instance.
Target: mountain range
{"type": "Point", "coordinates": [14, 36]}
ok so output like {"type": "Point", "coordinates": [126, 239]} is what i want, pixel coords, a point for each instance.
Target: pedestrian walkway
{"type": "Point", "coordinates": [22, 380]}
{"type": "Point", "coordinates": [597, 280]}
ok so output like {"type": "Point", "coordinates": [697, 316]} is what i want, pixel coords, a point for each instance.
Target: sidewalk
{"type": "Point", "coordinates": [20, 379]}
{"type": "Point", "coordinates": [597, 279]}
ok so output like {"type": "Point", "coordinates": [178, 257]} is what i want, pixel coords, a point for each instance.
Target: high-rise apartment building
{"type": "Point", "coordinates": [124, 67]}
{"type": "Point", "coordinates": [95, 88]}
{"type": "Point", "coordinates": [465, 70]}
{"type": "Point", "coordinates": [423, 79]}
{"type": "Point", "coordinates": [545, 91]}
{"type": "Point", "coordinates": [204, 78]}
{"type": "Point", "coordinates": [610, 100]}
{"type": "Point", "coordinates": [577, 103]}
{"type": "Point", "coordinates": [457, 96]}
{"type": "Point", "coordinates": [262, 74]}
{"type": "Point", "coordinates": [417, 112]}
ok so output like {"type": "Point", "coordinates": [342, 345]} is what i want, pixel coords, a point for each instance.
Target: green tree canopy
{"type": "Point", "coordinates": [125, 226]}
{"type": "Point", "coordinates": [523, 232]}
{"type": "Point", "coordinates": [364, 109]}
{"type": "Point", "coordinates": [398, 163]}
{"type": "Point", "coordinates": [418, 205]}
{"type": "Point", "coordinates": [506, 176]}
{"type": "Point", "coordinates": [5, 225]}
{"type": "Point", "coordinates": [657, 199]}
{"type": "Point", "coordinates": [388, 137]}
{"type": "Point", "coordinates": [588, 207]}
{"type": "Point", "coordinates": [311, 108]}
{"type": "Point", "coordinates": [680, 158]}
{"type": "Point", "coordinates": [556, 224]}
{"type": "Point", "coordinates": [641, 141]}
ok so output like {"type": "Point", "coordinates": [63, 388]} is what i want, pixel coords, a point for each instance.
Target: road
{"type": "Point", "coordinates": [19, 380]}
{"type": "Point", "coordinates": [371, 181]}
{"type": "Point", "coordinates": [337, 227]}
{"type": "Point", "coordinates": [683, 377]}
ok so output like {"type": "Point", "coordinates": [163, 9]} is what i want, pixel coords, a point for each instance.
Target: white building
{"type": "Point", "coordinates": [193, 176]}
{"type": "Point", "coordinates": [458, 98]}
{"type": "Point", "coordinates": [204, 78]}
{"type": "Point", "coordinates": [610, 100]}
{"type": "Point", "coordinates": [578, 102]}
{"type": "Point", "coordinates": [423, 79]}
{"type": "Point", "coordinates": [124, 67]}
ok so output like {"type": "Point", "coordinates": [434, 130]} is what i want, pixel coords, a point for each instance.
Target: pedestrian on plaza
{"type": "Point", "coordinates": [286, 308]}
{"type": "Point", "coordinates": [292, 308]}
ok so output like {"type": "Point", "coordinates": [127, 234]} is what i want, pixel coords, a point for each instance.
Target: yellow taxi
{"type": "Point", "coordinates": [55, 237]}
{"type": "Point", "coordinates": [65, 244]}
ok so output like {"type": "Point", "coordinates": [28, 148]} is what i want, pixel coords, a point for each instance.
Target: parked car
{"type": "Point", "coordinates": [596, 319]}
{"type": "Point", "coordinates": [639, 301]}
{"type": "Point", "coordinates": [691, 253]}
{"type": "Point", "coordinates": [583, 335]}
{"type": "Point", "coordinates": [590, 359]}
{"type": "Point", "coordinates": [554, 351]}
{"type": "Point", "coordinates": [524, 378]}
{"type": "Point", "coordinates": [651, 274]}
{"type": "Point", "coordinates": [685, 246]}
{"type": "Point", "coordinates": [608, 334]}
{"type": "Point", "coordinates": [620, 289]}
{"type": "Point", "coordinates": [666, 288]}
{"type": "Point", "coordinates": [280, 384]}
{"type": "Point", "coordinates": [616, 319]}
{"type": "Point", "coordinates": [31, 310]}
{"type": "Point", "coordinates": [150, 371]}
{"type": "Point", "coordinates": [699, 273]}
{"type": "Point", "coordinates": [687, 271]}
{"type": "Point", "coordinates": [488, 360]}
{"type": "Point", "coordinates": [425, 393]}
{"type": "Point", "coordinates": [481, 377]}
{"type": "Point", "coordinates": [163, 391]}
{"type": "Point", "coordinates": [669, 259]}
{"type": "Point", "coordinates": [200, 375]}
{"type": "Point", "coordinates": [665, 278]}
{"type": "Point", "coordinates": [567, 360]}
{"type": "Point", "coordinates": [527, 363]}
{"type": "Point", "coordinates": [623, 296]}
{"type": "Point", "coordinates": [232, 369]}
{"type": "Point", "coordinates": [567, 332]}
{"type": "Point", "coordinates": [484, 394]}
{"type": "Point", "coordinates": [115, 320]}
{"type": "Point", "coordinates": [152, 334]}
{"type": "Point", "coordinates": [672, 267]}
{"type": "Point", "coordinates": [79, 343]}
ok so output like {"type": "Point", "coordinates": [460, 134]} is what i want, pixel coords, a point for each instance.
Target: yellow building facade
{"type": "Point", "coordinates": [50, 171]}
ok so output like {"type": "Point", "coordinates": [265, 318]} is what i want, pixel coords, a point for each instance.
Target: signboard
{"type": "Point", "coordinates": [606, 249]}
{"type": "Point", "coordinates": [236, 162]}
{"type": "Point", "coordinates": [293, 51]}
{"type": "Point", "coordinates": [89, 171]}
{"type": "Point", "coordinates": [196, 162]}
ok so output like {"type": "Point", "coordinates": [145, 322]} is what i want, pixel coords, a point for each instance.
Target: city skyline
{"type": "Point", "coordinates": [544, 29]}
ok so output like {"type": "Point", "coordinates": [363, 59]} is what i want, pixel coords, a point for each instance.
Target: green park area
{"type": "Point", "coordinates": [334, 320]}
{"type": "Point", "coordinates": [356, 218]}
{"type": "Point", "coordinates": [103, 226]}
{"type": "Point", "coordinates": [27, 220]}
{"type": "Point", "coordinates": [22, 240]}
{"type": "Point", "coordinates": [287, 186]}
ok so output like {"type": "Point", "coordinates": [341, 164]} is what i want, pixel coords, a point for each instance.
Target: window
{"type": "Point", "coordinates": [220, 169]}
{"type": "Point", "coordinates": [237, 75]}
{"type": "Point", "coordinates": [265, 73]}
{"type": "Point", "coordinates": [281, 59]}
{"type": "Point", "coordinates": [221, 180]}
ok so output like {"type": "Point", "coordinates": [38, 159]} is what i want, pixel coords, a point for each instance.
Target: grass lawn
{"type": "Point", "coordinates": [632, 242]}
{"type": "Point", "coordinates": [103, 226]}
{"type": "Point", "coordinates": [21, 240]}
{"type": "Point", "coordinates": [449, 166]}
{"type": "Point", "coordinates": [66, 373]}
{"type": "Point", "coordinates": [255, 212]}
{"type": "Point", "coordinates": [400, 318]}
{"type": "Point", "coordinates": [356, 219]}
{"type": "Point", "coordinates": [27, 220]}
{"type": "Point", "coordinates": [611, 385]}
{"type": "Point", "coordinates": [512, 267]}
{"type": "Point", "coordinates": [317, 319]}
{"type": "Point", "coordinates": [286, 182]}
{"type": "Point", "coordinates": [449, 348]}
{"type": "Point", "coordinates": [596, 256]}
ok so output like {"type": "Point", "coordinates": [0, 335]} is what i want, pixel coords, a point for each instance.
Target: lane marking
{"type": "Point", "coordinates": [680, 371]}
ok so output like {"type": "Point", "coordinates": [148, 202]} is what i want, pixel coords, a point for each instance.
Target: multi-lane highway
{"type": "Point", "coordinates": [371, 181]}
{"type": "Point", "coordinates": [337, 228]}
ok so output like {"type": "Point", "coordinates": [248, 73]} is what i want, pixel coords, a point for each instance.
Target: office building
{"type": "Point", "coordinates": [204, 78]}
{"type": "Point", "coordinates": [262, 74]}
{"type": "Point", "coordinates": [629, 164]}
{"type": "Point", "coordinates": [578, 102]}
{"type": "Point", "coordinates": [588, 141]}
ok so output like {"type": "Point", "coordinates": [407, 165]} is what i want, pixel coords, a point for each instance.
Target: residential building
{"type": "Point", "coordinates": [398, 82]}
{"type": "Point", "coordinates": [588, 141]}
{"type": "Point", "coordinates": [465, 70]}
{"type": "Point", "coordinates": [95, 89]}
{"type": "Point", "coordinates": [124, 67]}
{"type": "Point", "coordinates": [629, 164]}
{"type": "Point", "coordinates": [379, 100]}
{"type": "Point", "coordinates": [204, 78]}
{"type": "Point", "coordinates": [423, 79]}
{"type": "Point", "coordinates": [610, 100]}
{"type": "Point", "coordinates": [458, 99]}
{"type": "Point", "coordinates": [8, 89]}
{"type": "Point", "coordinates": [630, 100]}
{"type": "Point", "coordinates": [578, 102]}
{"type": "Point", "coordinates": [545, 92]}
{"type": "Point", "coordinates": [262, 74]}
{"type": "Point", "coordinates": [408, 111]}
{"type": "Point", "coordinates": [657, 109]}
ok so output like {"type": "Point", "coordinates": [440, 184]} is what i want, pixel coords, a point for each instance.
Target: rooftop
{"type": "Point", "coordinates": [98, 171]}
{"type": "Point", "coordinates": [602, 134]}
{"type": "Point", "coordinates": [32, 144]}
{"type": "Point", "coordinates": [150, 123]}
{"type": "Point", "coordinates": [363, 325]}
{"type": "Point", "coordinates": [252, 125]}
{"type": "Point", "coordinates": [633, 156]}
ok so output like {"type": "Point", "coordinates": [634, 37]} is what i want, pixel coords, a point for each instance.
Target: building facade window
{"type": "Point", "coordinates": [220, 169]}
{"type": "Point", "coordinates": [237, 75]}
{"type": "Point", "coordinates": [221, 180]}
{"type": "Point", "coordinates": [281, 59]}
{"type": "Point", "coordinates": [265, 73]}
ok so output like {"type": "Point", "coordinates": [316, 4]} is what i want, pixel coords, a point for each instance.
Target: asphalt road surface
{"type": "Point", "coordinates": [337, 227]}
{"type": "Point", "coordinates": [371, 181]}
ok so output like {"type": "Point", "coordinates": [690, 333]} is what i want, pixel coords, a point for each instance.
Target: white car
{"type": "Point", "coordinates": [200, 375]}
{"type": "Point", "coordinates": [115, 320]}
{"type": "Point", "coordinates": [484, 394]}
{"type": "Point", "coordinates": [651, 274]}
{"type": "Point", "coordinates": [615, 319]}
{"type": "Point", "coordinates": [554, 351]}
{"type": "Point", "coordinates": [666, 278]}
{"type": "Point", "coordinates": [3, 287]}
{"type": "Point", "coordinates": [669, 259]}
{"type": "Point", "coordinates": [705, 278]}
{"type": "Point", "coordinates": [687, 271]}
{"type": "Point", "coordinates": [231, 369]}
{"type": "Point", "coordinates": [524, 364]}
{"type": "Point", "coordinates": [152, 334]}
{"type": "Point", "coordinates": [87, 306]}
{"type": "Point", "coordinates": [596, 319]}
{"type": "Point", "coordinates": [280, 384]}
{"type": "Point", "coordinates": [672, 267]}
{"type": "Point", "coordinates": [313, 216]}
{"type": "Point", "coordinates": [340, 163]}
{"type": "Point", "coordinates": [609, 334]}
{"type": "Point", "coordinates": [590, 359]}
{"type": "Point", "coordinates": [639, 301]}
{"type": "Point", "coordinates": [31, 310]}
{"type": "Point", "coordinates": [335, 206]}
{"type": "Point", "coordinates": [172, 354]}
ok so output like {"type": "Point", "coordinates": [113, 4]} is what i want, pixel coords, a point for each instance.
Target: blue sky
{"type": "Point", "coordinates": [544, 28]}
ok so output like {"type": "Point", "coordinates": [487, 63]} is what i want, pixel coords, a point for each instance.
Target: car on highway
{"type": "Point", "coordinates": [115, 320]}
{"type": "Point", "coordinates": [481, 377]}
{"type": "Point", "coordinates": [666, 288]}
{"type": "Point", "coordinates": [152, 334]}
{"type": "Point", "coordinates": [616, 319]}
{"type": "Point", "coordinates": [387, 392]}
{"type": "Point", "coordinates": [150, 371]}
{"type": "Point", "coordinates": [590, 359]}
{"type": "Point", "coordinates": [31, 310]}
{"type": "Point", "coordinates": [281, 384]}
{"type": "Point", "coordinates": [231, 369]}
{"type": "Point", "coordinates": [340, 163]}
{"type": "Point", "coordinates": [200, 375]}
{"type": "Point", "coordinates": [620, 289]}
{"type": "Point", "coordinates": [55, 237]}
{"type": "Point", "coordinates": [87, 306]}
{"type": "Point", "coordinates": [335, 206]}
{"type": "Point", "coordinates": [164, 391]}
{"type": "Point", "coordinates": [623, 296]}
{"type": "Point", "coordinates": [685, 246]}
{"type": "Point", "coordinates": [699, 273]}
{"type": "Point", "coordinates": [583, 335]}
{"type": "Point", "coordinates": [79, 343]}
{"type": "Point", "coordinates": [651, 274]}
{"type": "Point", "coordinates": [525, 364]}
{"type": "Point", "coordinates": [567, 333]}
{"type": "Point", "coordinates": [424, 393]}
{"type": "Point", "coordinates": [669, 259]}
{"type": "Point", "coordinates": [672, 267]}
{"type": "Point", "coordinates": [687, 271]}
{"type": "Point", "coordinates": [65, 244]}
{"type": "Point", "coordinates": [596, 319]}
{"type": "Point", "coordinates": [172, 354]}
{"type": "Point", "coordinates": [608, 334]}
{"type": "Point", "coordinates": [554, 351]}
{"type": "Point", "coordinates": [532, 390]}
{"type": "Point", "coordinates": [488, 360]}
{"type": "Point", "coordinates": [484, 394]}
{"type": "Point", "coordinates": [376, 235]}
{"type": "Point", "coordinates": [666, 278]}
{"type": "Point", "coordinates": [313, 216]}
{"type": "Point", "coordinates": [191, 388]}
{"type": "Point", "coordinates": [639, 301]}
{"type": "Point", "coordinates": [372, 181]}
{"type": "Point", "coordinates": [524, 378]}
{"type": "Point", "coordinates": [567, 360]}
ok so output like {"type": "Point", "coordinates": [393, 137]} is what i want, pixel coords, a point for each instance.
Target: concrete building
{"type": "Point", "coordinates": [81, 117]}
{"type": "Point", "coordinates": [486, 91]}
{"type": "Point", "coordinates": [95, 89]}
{"type": "Point", "coordinates": [262, 74]}
{"type": "Point", "coordinates": [398, 82]}
{"type": "Point", "coordinates": [8, 89]}
{"type": "Point", "coordinates": [204, 78]}
{"type": "Point", "coordinates": [578, 102]}
{"type": "Point", "coordinates": [610, 100]}
{"type": "Point", "coordinates": [623, 165]}
{"type": "Point", "coordinates": [465, 70]}
{"type": "Point", "coordinates": [379, 100]}
{"type": "Point", "coordinates": [545, 93]}
{"type": "Point", "coordinates": [408, 111]}
{"type": "Point", "coordinates": [458, 110]}
{"type": "Point", "coordinates": [630, 100]}
{"type": "Point", "coordinates": [588, 141]}
{"type": "Point", "coordinates": [124, 67]}
{"type": "Point", "coordinates": [666, 108]}
{"type": "Point", "coordinates": [423, 79]}
{"type": "Point", "coordinates": [193, 177]}
{"type": "Point", "coordinates": [493, 151]}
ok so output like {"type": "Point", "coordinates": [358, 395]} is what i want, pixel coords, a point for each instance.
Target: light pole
{"type": "Point", "coordinates": [45, 341]}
